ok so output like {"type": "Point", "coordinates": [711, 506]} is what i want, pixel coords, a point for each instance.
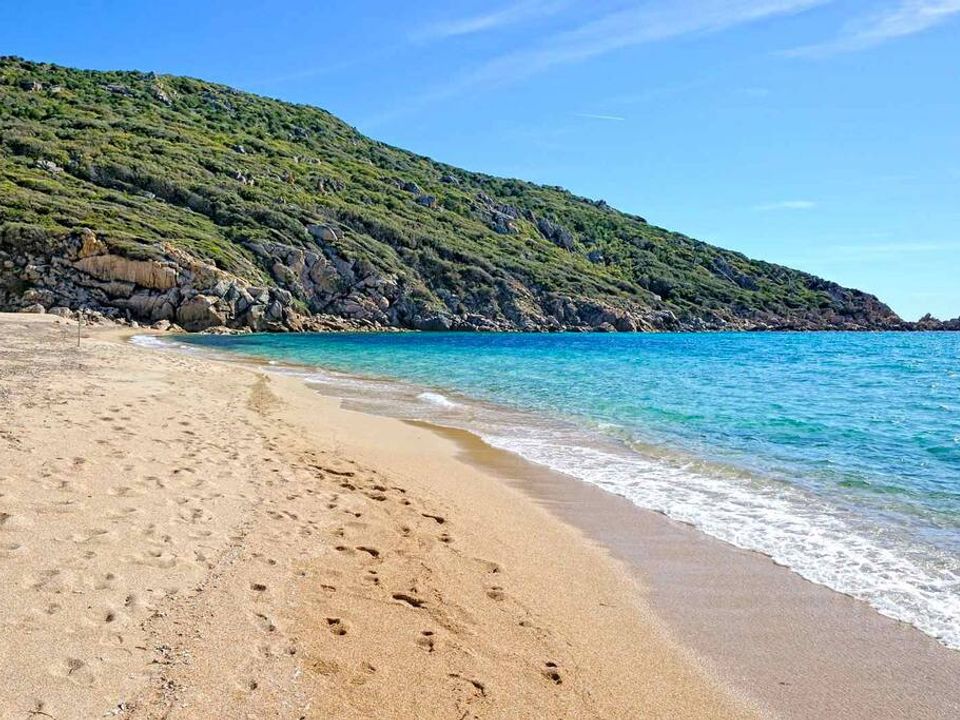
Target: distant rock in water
{"type": "Point", "coordinates": [180, 203]}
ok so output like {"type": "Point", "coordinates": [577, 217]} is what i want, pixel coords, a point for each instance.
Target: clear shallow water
{"type": "Point", "coordinates": [836, 454]}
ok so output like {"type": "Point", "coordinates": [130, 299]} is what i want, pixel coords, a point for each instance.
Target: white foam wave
{"type": "Point", "coordinates": [793, 529]}
{"type": "Point", "coordinates": [151, 341]}
{"type": "Point", "coordinates": [437, 399]}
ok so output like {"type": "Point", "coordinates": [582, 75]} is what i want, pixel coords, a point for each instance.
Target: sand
{"type": "Point", "coordinates": [802, 651]}
{"type": "Point", "coordinates": [187, 538]}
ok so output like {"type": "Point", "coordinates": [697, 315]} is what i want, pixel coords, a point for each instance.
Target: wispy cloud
{"type": "Point", "coordinates": [624, 28]}
{"type": "Point", "coordinates": [513, 14]}
{"type": "Point", "coordinates": [786, 205]}
{"type": "Point", "coordinates": [907, 17]}
{"type": "Point", "coordinates": [595, 116]}
{"type": "Point", "coordinates": [602, 33]}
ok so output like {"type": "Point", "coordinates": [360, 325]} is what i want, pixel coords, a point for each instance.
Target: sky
{"type": "Point", "coordinates": [821, 134]}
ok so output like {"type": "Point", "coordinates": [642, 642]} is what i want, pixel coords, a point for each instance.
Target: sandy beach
{"type": "Point", "coordinates": [188, 537]}
{"type": "Point", "coordinates": [185, 538]}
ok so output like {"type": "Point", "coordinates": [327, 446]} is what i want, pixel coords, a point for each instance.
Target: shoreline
{"type": "Point", "coordinates": [805, 650]}
{"type": "Point", "coordinates": [768, 648]}
{"type": "Point", "coordinates": [372, 392]}
{"type": "Point", "coordinates": [189, 538]}
{"type": "Point", "coordinates": [742, 640]}
{"type": "Point", "coordinates": [655, 617]}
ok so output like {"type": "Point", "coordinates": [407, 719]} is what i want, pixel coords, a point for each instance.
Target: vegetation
{"type": "Point", "coordinates": [147, 160]}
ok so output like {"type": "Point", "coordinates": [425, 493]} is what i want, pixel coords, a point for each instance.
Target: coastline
{"type": "Point", "coordinates": [707, 590]}
{"type": "Point", "coordinates": [669, 626]}
{"type": "Point", "coordinates": [188, 538]}
{"type": "Point", "coordinates": [805, 651]}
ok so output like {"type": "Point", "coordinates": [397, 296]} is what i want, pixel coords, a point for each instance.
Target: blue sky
{"type": "Point", "coordinates": [822, 134]}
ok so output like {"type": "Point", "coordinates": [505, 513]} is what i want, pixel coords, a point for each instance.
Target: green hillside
{"type": "Point", "coordinates": [155, 197]}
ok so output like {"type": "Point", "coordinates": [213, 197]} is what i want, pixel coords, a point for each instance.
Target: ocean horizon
{"type": "Point", "coordinates": [835, 454]}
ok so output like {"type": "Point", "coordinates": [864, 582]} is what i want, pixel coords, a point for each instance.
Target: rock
{"type": "Point", "coordinates": [61, 311]}
{"type": "Point", "coordinates": [433, 322]}
{"type": "Point", "coordinates": [275, 311]}
{"type": "Point", "coordinates": [36, 309]}
{"type": "Point", "coordinates": [323, 233]}
{"type": "Point", "coordinates": [160, 94]}
{"type": "Point", "coordinates": [90, 244]}
{"type": "Point", "coordinates": [555, 233]}
{"type": "Point", "coordinates": [145, 273]}
{"type": "Point", "coordinates": [427, 201]}
{"type": "Point", "coordinates": [199, 313]}
{"type": "Point", "coordinates": [30, 85]}
{"type": "Point", "coordinates": [449, 179]}
{"type": "Point", "coordinates": [255, 317]}
{"type": "Point", "coordinates": [595, 256]}
{"type": "Point", "coordinates": [49, 166]}
{"type": "Point", "coordinates": [411, 187]}
{"type": "Point", "coordinates": [161, 325]}
{"type": "Point", "coordinates": [118, 89]}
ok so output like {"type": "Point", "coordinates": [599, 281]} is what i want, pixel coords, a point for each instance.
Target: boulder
{"type": "Point", "coordinates": [90, 244]}
{"type": "Point", "coordinates": [49, 166]}
{"type": "Point", "coordinates": [145, 273]}
{"type": "Point", "coordinates": [36, 309]}
{"type": "Point", "coordinates": [199, 313]}
{"type": "Point", "coordinates": [323, 233]}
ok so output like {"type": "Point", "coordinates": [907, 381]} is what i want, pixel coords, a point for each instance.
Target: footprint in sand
{"type": "Point", "coordinates": [74, 670]}
{"type": "Point", "coordinates": [337, 626]}
{"type": "Point", "coordinates": [410, 600]}
{"type": "Point", "coordinates": [495, 592]}
{"type": "Point", "coordinates": [427, 640]}
{"type": "Point", "coordinates": [551, 672]}
{"type": "Point", "coordinates": [264, 623]}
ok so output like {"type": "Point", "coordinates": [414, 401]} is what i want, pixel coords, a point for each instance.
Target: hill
{"type": "Point", "coordinates": [160, 198]}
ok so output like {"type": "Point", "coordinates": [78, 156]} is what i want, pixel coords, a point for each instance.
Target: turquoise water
{"type": "Point", "coordinates": [836, 454]}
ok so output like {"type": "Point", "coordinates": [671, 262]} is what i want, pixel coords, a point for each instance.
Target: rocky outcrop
{"type": "Point", "coordinates": [82, 272]}
{"type": "Point", "coordinates": [144, 273]}
{"type": "Point", "coordinates": [316, 287]}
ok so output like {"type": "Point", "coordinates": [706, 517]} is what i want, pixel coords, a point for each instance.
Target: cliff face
{"type": "Point", "coordinates": [166, 199]}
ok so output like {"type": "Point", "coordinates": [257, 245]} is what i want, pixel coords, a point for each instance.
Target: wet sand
{"type": "Point", "coordinates": [802, 651]}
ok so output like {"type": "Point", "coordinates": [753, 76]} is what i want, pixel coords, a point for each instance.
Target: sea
{"type": "Point", "coordinates": [835, 454]}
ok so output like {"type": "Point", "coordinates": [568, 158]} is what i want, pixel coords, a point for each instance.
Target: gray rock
{"type": "Point", "coordinates": [36, 309]}
{"type": "Point", "coordinates": [118, 89]}
{"type": "Point", "coordinates": [199, 313]}
{"type": "Point", "coordinates": [275, 311]}
{"type": "Point", "coordinates": [49, 166]}
{"type": "Point", "coordinates": [323, 233]}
